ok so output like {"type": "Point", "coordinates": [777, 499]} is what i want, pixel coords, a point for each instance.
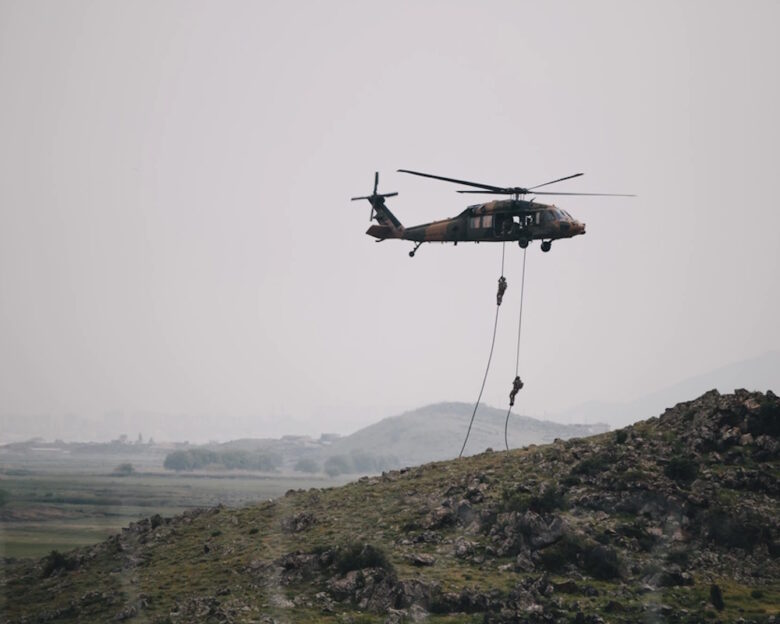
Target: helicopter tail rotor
{"type": "Point", "coordinates": [375, 199]}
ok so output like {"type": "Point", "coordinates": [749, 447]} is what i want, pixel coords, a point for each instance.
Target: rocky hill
{"type": "Point", "coordinates": [674, 519]}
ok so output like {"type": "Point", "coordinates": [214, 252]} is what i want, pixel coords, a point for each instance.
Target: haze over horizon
{"type": "Point", "coordinates": [177, 240]}
{"type": "Point", "coordinates": [761, 373]}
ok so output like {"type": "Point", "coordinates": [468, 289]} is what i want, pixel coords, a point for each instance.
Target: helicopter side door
{"type": "Point", "coordinates": [529, 221]}
{"type": "Point", "coordinates": [504, 226]}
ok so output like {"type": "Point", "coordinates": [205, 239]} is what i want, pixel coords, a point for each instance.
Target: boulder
{"type": "Point", "coordinates": [420, 559]}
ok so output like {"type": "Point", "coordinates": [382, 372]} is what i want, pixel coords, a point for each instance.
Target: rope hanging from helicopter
{"type": "Point", "coordinates": [516, 384]}
{"type": "Point", "coordinates": [499, 297]}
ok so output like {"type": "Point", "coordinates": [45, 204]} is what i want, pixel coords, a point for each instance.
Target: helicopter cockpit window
{"type": "Point", "coordinates": [548, 217]}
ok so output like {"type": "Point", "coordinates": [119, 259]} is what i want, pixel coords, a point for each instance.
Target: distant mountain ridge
{"type": "Point", "coordinates": [431, 433]}
{"type": "Point", "coordinates": [760, 373]}
{"type": "Point", "coordinates": [437, 431]}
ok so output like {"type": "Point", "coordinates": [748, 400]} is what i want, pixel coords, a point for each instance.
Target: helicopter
{"type": "Point", "coordinates": [501, 220]}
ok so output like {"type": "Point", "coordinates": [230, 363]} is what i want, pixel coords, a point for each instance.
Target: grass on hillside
{"type": "Point", "coordinates": [62, 510]}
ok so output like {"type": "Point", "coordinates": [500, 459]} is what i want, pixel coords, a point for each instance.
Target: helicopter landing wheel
{"type": "Point", "coordinates": [546, 245]}
{"type": "Point", "coordinates": [411, 254]}
{"type": "Point", "coordinates": [523, 242]}
{"type": "Point", "coordinates": [416, 247]}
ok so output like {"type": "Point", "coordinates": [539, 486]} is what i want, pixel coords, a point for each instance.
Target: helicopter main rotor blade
{"type": "Point", "coordinates": [499, 192]}
{"type": "Point", "coordinates": [467, 183]}
{"type": "Point", "coordinates": [376, 181]}
{"type": "Point", "coordinates": [529, 192]}
{"type": "Point", "coordinates": [489, 189]}
{"type": "Point", "coordinates": [591, 194]}
{"type": "Point", "coordinates": [576, 175]}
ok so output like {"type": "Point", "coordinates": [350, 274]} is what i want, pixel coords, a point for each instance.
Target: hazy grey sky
{"type": "Point", "coordinates": [176, 235]}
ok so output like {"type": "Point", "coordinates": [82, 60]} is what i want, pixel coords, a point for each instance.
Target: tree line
{"type": "Point", "coordinates": [355, 462]}
{"type": "Point", "coordinates": [198, 458]}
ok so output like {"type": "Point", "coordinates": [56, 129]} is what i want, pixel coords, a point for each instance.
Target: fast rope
{"type": "Point", "coordinates": [516, 384]}
{"type": "Point", "coordinates": [499, 296]}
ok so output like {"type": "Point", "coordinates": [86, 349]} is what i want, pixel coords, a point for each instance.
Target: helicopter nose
{"type": "Point", "coordinates": [581, 228]}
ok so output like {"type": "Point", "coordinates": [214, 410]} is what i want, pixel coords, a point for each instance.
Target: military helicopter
{"type": "Point", "coordinates": [501, 220]}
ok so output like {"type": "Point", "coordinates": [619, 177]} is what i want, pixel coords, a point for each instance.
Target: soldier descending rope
{"type": "Point", "coordinates": [517, 385]}
{"type": "Point", "coordinates": [501, 290]}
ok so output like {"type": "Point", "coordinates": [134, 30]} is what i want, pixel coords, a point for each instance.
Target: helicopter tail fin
{"type": "Point", "coordinates": [388, 225]}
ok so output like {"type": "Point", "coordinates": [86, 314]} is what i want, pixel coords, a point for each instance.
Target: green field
{"type": "Point", "coordinates": [61, 505]}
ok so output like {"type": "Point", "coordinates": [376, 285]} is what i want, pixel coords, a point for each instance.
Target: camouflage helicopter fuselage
{"type": "Point", "coordinates": [495, 221]}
